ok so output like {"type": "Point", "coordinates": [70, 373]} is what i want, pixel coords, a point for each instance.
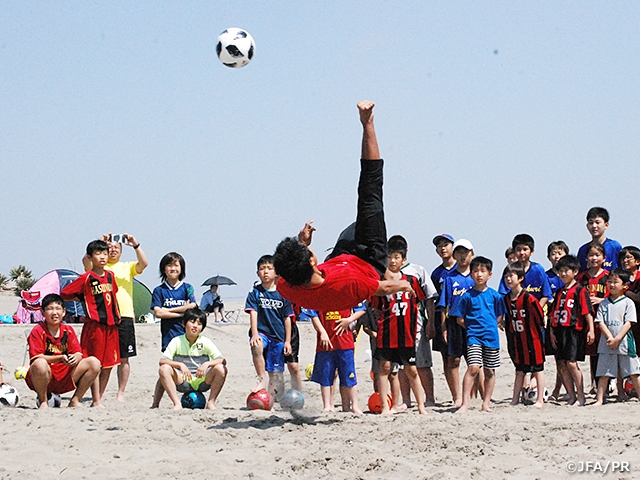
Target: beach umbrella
{"type": "Point", "coordinates": [218, 280]}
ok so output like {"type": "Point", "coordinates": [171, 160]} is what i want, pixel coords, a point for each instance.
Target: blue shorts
{"type": "Point", "coordinates": [326, 364]}
{"type": "Point", "coordinates": [273, 353]}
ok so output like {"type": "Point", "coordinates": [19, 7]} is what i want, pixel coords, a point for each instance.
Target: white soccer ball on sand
{"type": "Point", "coordinates": [8, 396]}
{"type": "Point", "coordinates": [235, 47]}
{"type": "Point", "coordinates": [53, 400]}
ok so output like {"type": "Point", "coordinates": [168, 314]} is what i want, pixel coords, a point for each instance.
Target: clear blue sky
{"type": "Point", "coordinates": [494, 119]}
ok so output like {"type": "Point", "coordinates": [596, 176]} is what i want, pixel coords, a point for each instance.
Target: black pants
{"type": "Point", "coordinates": [367, 237]}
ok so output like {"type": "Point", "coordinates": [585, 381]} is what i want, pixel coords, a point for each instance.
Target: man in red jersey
{"type": "Point", "coordinates": [356, 268]}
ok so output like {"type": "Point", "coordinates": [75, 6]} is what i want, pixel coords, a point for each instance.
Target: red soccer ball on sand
{"type": "Point", "coordinates": [260, 400]}
{"type": "Point", "coordinates": [374, 403]}
{"type": "Point", "coordinates": [629, 389]}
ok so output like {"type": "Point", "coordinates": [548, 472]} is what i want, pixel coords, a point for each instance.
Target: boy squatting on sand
{"type": "Point", "coordinates": [354, 269]}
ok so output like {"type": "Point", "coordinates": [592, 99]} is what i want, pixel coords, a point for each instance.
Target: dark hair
{"type": "Point", "coordinates": [598, 246]}
{"type": "Point", "coordinates": [508, 252]}
{"type": "Point", "coordinates": [51, 298]}
{"type": "Point", "coordinates": [635, 251]}
{"type": "Point", "coordinates": [515, 267]}
{"type": "Point", "coordinates": [97, 246]}
{"type": "Point", "coordinates": [621, 274]}
{"type": "Point", "coordinates": [568, 261]}
{"type": "Point", "coordinates": [558, 244]}
{"type": "Point", "coordinates": [168, 259]}
{"type": "Point", "coordinates": [292, 261]}
{"type": "Point", "coordinates": [265, 259]}
{"type": "Point", "coordinates": [397, 244]}
{"type": "Point", "coordinates": [195, 314]}
{"type": "Point", "coordinates": [523, 239]}
{"type": "Point", "coordinates": [595, 212]}
{"type": "Point", "coordinates": [481, 262]}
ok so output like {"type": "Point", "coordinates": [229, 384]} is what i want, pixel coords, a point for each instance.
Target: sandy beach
{"type": "Point", "coordinates": [127, 440]}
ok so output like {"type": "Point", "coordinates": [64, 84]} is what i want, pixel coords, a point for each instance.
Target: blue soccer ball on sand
{"type": "Point", "coordinates": [293, 400]}
{"type": "Point", "coordinates": [193, 400]}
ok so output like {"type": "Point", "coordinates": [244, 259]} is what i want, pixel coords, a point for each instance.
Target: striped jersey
{"type": "Point", "coordinates": [570, 307]}
{"type": "Point", "coordinates": [398, 324]}
{"type": "Point", "coordinates": [523, 325]}
{"type": "Point", "coordinates": [98, 296]}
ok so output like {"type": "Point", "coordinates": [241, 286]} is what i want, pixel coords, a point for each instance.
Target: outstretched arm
{"type": "Point", "coordinates": [370, 150]}
{"type": "Point", "coordinates": [388, 287]}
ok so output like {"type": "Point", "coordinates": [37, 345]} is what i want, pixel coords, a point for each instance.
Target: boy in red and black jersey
{"type": "Point", "coordinates": [397, 325]}
{"type": "Point", "coordinates": [523, 324]}
{"type": "Point", "coordinates": [97, 290]}
{"type": "Point", "coordinates": [571, 315]}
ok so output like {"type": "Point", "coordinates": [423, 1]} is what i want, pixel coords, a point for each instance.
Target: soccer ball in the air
{"type": "Point", "coordinates": [53, 400]}
{"type": "Point", "coordinates": [8, 396]}
{"type": "Point", "coordinates": [235, 47]}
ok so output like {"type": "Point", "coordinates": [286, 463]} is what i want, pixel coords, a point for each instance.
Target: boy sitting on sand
{"type": "Point", "coordinates": [192, 363]}
{"type": "Point", "coordinates": [359, 259]}
{"type": "Point", "coordinates": [57, 363]}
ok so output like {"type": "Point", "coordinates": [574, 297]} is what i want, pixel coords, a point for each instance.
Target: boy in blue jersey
{"type": "Point", "coordinates": [270, 332]}
{"type": "Point", "coordinates": [480, 310]}
{"type": "Point", "coordinates": [536, 281]}
{"type": "Point", "coordinates": [444, 249]}
{"type": "Point", "coordinates": [555, 251]}
{"type": "Point", "coordinates": [192, 363]}
{"type": "Point", "coordinates": [455, 285]}
{"type": "Point", "coordinates": [597, 224]}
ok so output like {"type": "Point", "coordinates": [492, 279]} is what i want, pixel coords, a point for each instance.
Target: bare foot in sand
{"type": "Point", "coordinates": [263, 384]}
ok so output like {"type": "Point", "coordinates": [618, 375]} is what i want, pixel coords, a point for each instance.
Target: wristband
{"type": "Point", "coordinates": [135, 247]}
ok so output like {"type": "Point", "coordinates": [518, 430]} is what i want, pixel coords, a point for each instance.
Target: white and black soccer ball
{"type": "Point", "coordinates": [8, 396]}
{"type": "Point", "coordinates": [53, 400]}
{"type": "Point", "coordinates": [235, 47]}
{"type": "Point", "coordinates": [531, 395]}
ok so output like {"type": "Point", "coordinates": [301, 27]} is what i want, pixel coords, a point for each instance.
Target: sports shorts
{"type": "Point", "coordinates": [61, 380]}
{"type": "Point", "coordinates": [186, 387]}
{"type": "Point", "coordinates": [456, 338]}
{"type": "Point", "coordinates": [101, 341]}
{"type": "Point", "coordinates": [273, 353]}
{"type": "Point", "coordinates": [401, 356]}
{"type": "Point", "coordinates": [423, 350]}
{"type": "Point", "coordinates": [483, 356]}
{"type": "Point", "coordinates": [127, 337]}
{"type": "Point", "coordinates": [439, 345]}
{"type": "Point", "coordinates": [570, 344]}
{"type": "Point", "coordinates": [529, 368]}
{"type": "Point", "coordinates": [326, 364]}
{"type": "Point", "coordinates": [593, 348]}
{"type": "Point", "coordinates": [295, 344]}
{"type": "Point", "coordinates": [612, 365]}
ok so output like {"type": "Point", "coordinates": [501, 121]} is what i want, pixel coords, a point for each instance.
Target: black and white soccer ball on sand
{"type": "Point", "coordinates": [8, 395]}
{"type": "Point", "coordinates": [235, 47]}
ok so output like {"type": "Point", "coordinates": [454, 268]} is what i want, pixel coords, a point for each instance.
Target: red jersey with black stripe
{"type": "Point", "coordinates": [98, 296]}
{"type": "Point", "coordinates": [523, 325]}
{"type": "Point", "coordinates": [596, 286]}
{"type": "Point", "coordinates": [570, 307]}
{"type": "Point", "coordinates": [398, 323]}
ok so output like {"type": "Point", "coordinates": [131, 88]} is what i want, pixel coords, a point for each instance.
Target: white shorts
{"type": "Point", "coordinates": [610, 364]}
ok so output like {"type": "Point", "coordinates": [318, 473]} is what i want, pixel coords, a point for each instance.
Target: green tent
{"type": "Point", "coordinates": [141, 299]}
